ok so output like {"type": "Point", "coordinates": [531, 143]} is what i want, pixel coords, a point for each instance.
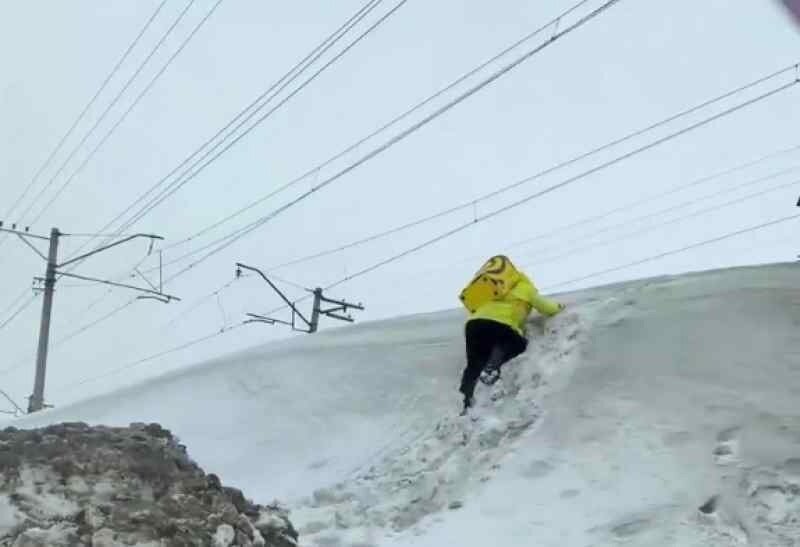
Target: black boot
{"type": "Point", "coordinates": [491, 372]}
{"type": "Point", "coordinates": [468, 402]}
{"type": "Point", "coordinates": [490, 376]}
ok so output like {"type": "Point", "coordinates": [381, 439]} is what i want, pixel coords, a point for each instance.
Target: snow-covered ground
{"type": "Point", "coordinates": [639, 405]}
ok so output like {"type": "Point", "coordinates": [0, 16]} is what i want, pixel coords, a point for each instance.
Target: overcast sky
{"type": "Point", "coordinates": [633, 65]}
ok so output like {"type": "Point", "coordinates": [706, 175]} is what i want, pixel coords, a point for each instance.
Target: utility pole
{"type": "Point", "coordinates": [316, 311]}
{"type": "Point", "coordinates": [312, 324]}
{"type": "Point", "coordinates": [52, 273]}
{"type": "Point", "coordinates": [36, 401]}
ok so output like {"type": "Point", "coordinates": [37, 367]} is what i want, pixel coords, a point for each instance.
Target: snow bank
{"type": "Point", "coordinates": [658, 412]}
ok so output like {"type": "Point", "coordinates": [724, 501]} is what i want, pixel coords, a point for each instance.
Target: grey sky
{"type": "Point", "coordinates": [633, 65]}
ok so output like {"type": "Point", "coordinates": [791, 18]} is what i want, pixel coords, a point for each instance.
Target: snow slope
{"type": "Point", "coordinates": [630, 411]}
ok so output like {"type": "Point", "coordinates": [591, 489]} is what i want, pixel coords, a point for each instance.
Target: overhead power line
{"type": "Point", "coordinates": [199, 302]}
{"type": "Point", "coordinates": [339, 33]}
{"type": "Point", "coordinates": [394, 121]}
{"type": "Point", "coordinates": [671, 191]}
{"type": "Point", "coordinates": [17, 366]}
{"type": "Point", "coordinates": [16, 301]}
{"type": "Point", "coordinates": [471, 203]}
{"type": "Point", "coordinates": [47, 284]}
{"type": "Point", "coordinates": [232, 237]}
{"type": "Point", "coordinates": [676, 207]}
{"type": "Point", "coordinates": [506, 208]}
{"type": "Point", "coordinates": [439, 238]}
{"type": "Point", "coordinates": [226, 329]}
{"type": "Point", "coordinates": [707, 121]}
{"type": "Point", "coordinates": [83, 113]}
{"type": "Point", "coordinates": [88, 326]}
{"type": "Point", "coordinates": [254, 107]}
{"type": "Point", "coordinates": [462, 97]}
{"type": "Point", "coordinates": [556, 35]}
{"type": "Point", "coordinates": [649, 229]}
{"type": "Point", "coordinates": [630, 205]}
{"type": "Point", "coordinates": [220, 332]}
{"type": "Point", "coordinates": [676, 251]}
{"type": "Point", "coordinates": [190, 173]}
{"type": "Point", "coordinates": [80, 330]}
{"type": "Point", "coordinates": [19, 310]}
{"type": "Point", "coordinates": [93, 323]}
{"type": "Point", "coordinates": [451, 232]}
{"type": "Point", "coordinates": [17, 409]}
{"type": "Point", "coordinates": [189, 309]}
{"type": "Point", "coordinates": [116, 310]}
{"type": "Point", "coordinates": [658, 256]}
{"type": "Point", "coordinates": [139, 362]}
{"type": "Point", "coordinates": [124, 116]}
{"type": "Point", "coordinates": [97, 301]}
{"type": "Point", "coordinates": [235, 236]}
{"type": "Point", "coordinates": [104, 114]}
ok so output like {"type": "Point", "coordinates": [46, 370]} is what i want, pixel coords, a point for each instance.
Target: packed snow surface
{"type": "Point", "coordinates": [658, 412]}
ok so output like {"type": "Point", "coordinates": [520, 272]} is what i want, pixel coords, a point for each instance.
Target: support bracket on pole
{"type": "Point", "coordinates": [296, 313]}
{"type": "Point", "coordinates": [155, 294]}
{"type": "Point", "coordinates": [312, 324]}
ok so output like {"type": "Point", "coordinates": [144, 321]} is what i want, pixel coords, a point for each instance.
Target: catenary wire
{"type": "Point", "coordinates": [468, 204]}
{"type": "Point", "coordinates": [378, 131]}
{"type": "Point", "coordinates": [190, 174]}
{"type": "Point", "coordinates": [693, 246]}
{"type": "Point", "coordinates": [397, 138]}
{"type": "Point", "coordinates": [255, 106]}
{"type": "Point", "coordinates": [105, 112]}
{"type": "Point", "coordinates": [643, 231]}
{"type": "Point", "coordinates": [85, 110]}
{"type": "Point", "coordinates": [124, 116]}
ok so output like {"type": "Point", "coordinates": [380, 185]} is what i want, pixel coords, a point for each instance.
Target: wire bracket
{"type": "Point", "coordinates": [311, 324]}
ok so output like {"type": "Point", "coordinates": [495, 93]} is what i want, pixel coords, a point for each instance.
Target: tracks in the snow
{"type": "Point", "coordinates": [445, 462]}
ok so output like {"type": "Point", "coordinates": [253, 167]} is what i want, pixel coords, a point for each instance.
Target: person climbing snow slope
{"type": "Point", "coordinates": [499, 298]}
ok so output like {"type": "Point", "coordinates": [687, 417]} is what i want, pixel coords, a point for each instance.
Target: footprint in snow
{"type": "Point", "coordinates": [726, 450]}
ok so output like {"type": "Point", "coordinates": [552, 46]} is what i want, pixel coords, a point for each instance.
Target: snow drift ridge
{"type": "Point", "coordinates": [644, 403]}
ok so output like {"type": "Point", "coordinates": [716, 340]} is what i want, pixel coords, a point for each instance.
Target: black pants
{"type": "Point", "coordinates": [488, 343]}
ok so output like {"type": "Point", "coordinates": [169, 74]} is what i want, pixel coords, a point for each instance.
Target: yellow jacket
{"type": "Point", "coordinates": [515, 307]}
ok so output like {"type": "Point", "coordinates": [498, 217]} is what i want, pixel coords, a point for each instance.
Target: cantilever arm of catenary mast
{"type": "Point", "coordinates": [32, 246]}
{"type": "Point", "coordinates": [255, 318]}
{"type": "Point", "coordinates": [122, 285]}
{"type": "Point", "coordinates": [152, 286]}
{"type": "Point", "coordinates": [342, 303]}
{"type": "Point", "coordinates": [338, 316]}
{"type": "Point", "coordinates": [105, 248]}
{"type": "Point", "coordinates": [22, 234]}
{"type": "Point", "coordinates": [276, 289]}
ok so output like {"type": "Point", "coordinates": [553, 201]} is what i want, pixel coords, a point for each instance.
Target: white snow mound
{"type": "Point", "coordinates": [658, 412]}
